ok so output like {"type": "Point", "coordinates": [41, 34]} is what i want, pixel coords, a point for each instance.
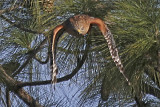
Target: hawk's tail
{"type": "Point", "coordinates": [54, 39]}
{"type": "Point", "coordinates": [114, 52]}
{"type": "Point", "coordinates": [54, 73]}
{"type": "Point", "coordinates": [53, 63]}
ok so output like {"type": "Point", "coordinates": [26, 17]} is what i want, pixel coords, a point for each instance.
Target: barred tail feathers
{"type": "Point", "coordinates": [114, 52]}
{"type": "Point", "coordinates": [54, 66]}
{"type": "Point", "coordinates": [54, 73]}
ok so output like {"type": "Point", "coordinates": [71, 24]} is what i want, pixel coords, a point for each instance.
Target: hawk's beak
{"type": "Point", "coordinates": [79, 31]}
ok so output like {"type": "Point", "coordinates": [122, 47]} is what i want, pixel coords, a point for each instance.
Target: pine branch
{"type": "Point", "coordinates": [158, 61]}
{"type": "Point", "coordinates": [8, 9]}
{"type": "Point", "coordinates": [151, 90]}
{"type": "Point", "coordinates": [62, 79]}
{"type": "Point", "coordinates": [42, 62]}
{"type": "Point", "coordinates": [20, 27]}
{"type": "Point", "coordinates": [21, 93]}
{"type": "Point", "coordinates": [31, 55]}
{"type": "Point", "coordinates": [14, 24]}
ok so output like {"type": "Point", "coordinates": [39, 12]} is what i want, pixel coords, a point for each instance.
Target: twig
{"type": "Point", "coordinates": [65, 78]}
{"type": "Point", "coordinates": [31, 55]}
{"type": "Point", "coordinates": [41, 62]}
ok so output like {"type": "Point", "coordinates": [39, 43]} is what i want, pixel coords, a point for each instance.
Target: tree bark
{"type": "Point", "coordinates": [22, 94]}
{"type": "Point", "coordinates": [11, 85]}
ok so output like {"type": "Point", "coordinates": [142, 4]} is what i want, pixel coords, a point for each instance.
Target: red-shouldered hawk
{"type": "Point", "coordinates": [79, 25]}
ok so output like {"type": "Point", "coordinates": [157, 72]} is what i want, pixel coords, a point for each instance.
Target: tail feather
{"type": "Point", "coordinates": [53, 61]}
{"type": "Point", "coordinates": [114, 52]}
{"type": "Point", "coordinates": [56, 35]}
{"type": "Point", "coordinates": [54, 73]}
{"type": "Point", "coordinates": [54, 66]}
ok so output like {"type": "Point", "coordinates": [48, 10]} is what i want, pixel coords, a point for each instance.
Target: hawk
{"type": "Point", "coordinates": [79, 25]}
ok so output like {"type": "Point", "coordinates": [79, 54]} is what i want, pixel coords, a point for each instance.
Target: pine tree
{"type": "Point", "coordinates": [135, 23]}
{"type": "Point", "coordinates": [27, 28]}
{"type": "Point", "coordinates": [86, 62]}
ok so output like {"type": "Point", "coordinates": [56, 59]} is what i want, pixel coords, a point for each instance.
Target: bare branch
{"type": "Point", "coordinates": [65, 78]}
{"type": "Point", "coordinates": [12, 86]}
{"type": "Point", "coordinates": [42, 62]}
{"type": "Point", "coordinates": [31, 55]}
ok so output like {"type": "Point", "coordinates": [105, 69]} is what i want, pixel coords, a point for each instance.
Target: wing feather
{"type": "Point", "coordinates": [55, 38]}
{"type": "Point", "coordinates": [111, 44]}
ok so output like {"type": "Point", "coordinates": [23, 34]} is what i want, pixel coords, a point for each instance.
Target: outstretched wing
{"type": "Point", "coordinates": [111, 44]}
{"type": "Point", "coordinates": [55, 38]}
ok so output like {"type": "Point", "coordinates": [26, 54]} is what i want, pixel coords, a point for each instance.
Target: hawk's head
{"type": "Point", "coordinates": [80, 23]}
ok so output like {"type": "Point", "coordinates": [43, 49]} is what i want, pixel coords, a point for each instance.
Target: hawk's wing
{"type": "Point", "coordinates": [111, 43]}
{"type": "Point", "coordinates": [55, 38]}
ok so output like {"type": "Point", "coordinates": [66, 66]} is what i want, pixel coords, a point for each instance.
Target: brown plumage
{"type": "Point", "coordinates": [79, 25]}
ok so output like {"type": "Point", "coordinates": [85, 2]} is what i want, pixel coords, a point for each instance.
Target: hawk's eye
{"type": "Point", "coordinates": [82, 28]}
